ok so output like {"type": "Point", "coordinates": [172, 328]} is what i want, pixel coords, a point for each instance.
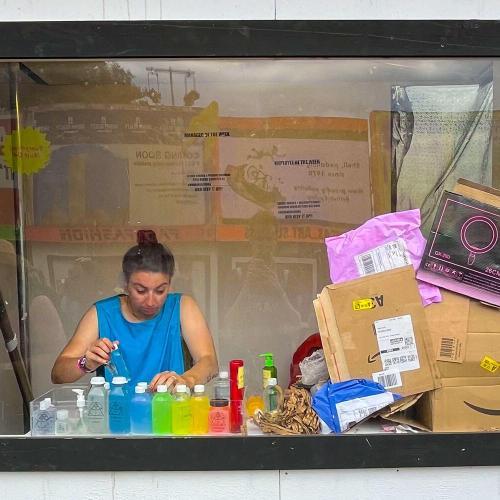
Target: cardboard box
{"type": "Point", "coordinates": [375, 328]}
{"type": "Point", "coordinates": [463, 250]}
{"type": "Point", "coordinates": [463, 332]}
{"type": "Point", "coordinates": [462, 405]}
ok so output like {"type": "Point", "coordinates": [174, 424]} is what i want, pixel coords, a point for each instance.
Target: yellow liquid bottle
{"type": "Point", "coordinates": [181, 411]}
{"type": "Point", "coordinates": [200, 406]}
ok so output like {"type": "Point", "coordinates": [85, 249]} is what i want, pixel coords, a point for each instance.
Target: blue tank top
{"type": "Point", "coordinates": [149, 347]}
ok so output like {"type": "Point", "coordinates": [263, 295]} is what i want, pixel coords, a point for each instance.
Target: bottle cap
{"type": "Point", "coordinates": [199, 388]}
{"type": "Point", "coordinates": [272, 381]}
{"type": "Point", "coordinates": [269, 361]}
{"type": "Point", "coordinates": [97, 381]}
{"type": "Point", "coordinates": [218, 403]}
{"type": "Point", "coordinates": [106, 386]}
{"type": "Point", "coordinates": [161, 388]}
{"type": "Point", "coordinates": [119, 380]}
{"type": "Point", "coordinates": [44, 405]}
{"type": "Point", "coordinates": [223, 375]}
{"type": "Point", "coordinates": [139, 389]}
{"type": "Point", "coordinates": [49, 401]}
{"type": "Point", "coordinates": [181, 388]}
{"type": "Point", "coordinates": [62, 414]}
{"type": "Point", "coordinates": [142, 384]}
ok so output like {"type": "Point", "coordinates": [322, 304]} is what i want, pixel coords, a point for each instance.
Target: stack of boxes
{"type": "Point", "coordinates": [376, 328]}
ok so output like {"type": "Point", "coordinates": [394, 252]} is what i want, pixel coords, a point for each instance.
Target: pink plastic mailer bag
{"type": "Point", "coordinates": [385, 242]}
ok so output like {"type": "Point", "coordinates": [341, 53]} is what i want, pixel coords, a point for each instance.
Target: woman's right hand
{"type": "Point", "coordinates": [98, 353]}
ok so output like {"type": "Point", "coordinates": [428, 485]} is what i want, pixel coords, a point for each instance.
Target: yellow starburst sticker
{"type": "Point", "coordinates": [26, 151]}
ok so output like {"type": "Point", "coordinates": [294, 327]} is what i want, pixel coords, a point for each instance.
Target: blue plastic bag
{"type": "Point", "coordinates": [344, 404]}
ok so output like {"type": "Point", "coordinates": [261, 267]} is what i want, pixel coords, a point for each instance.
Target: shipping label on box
{"type": "Point", "coordinates": [375, 328]}
{"type": "Point", "coordinates": [463, 250]}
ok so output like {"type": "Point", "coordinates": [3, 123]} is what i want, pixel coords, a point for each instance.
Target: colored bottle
{"type": "Point", "coordinates": [273, 396]}
{"type": "Point", "coordinates": [181, 411]}
{"type": "Point", "coordinates": [269, 370]}
{"type": "Point", "coordinates": [119, 406]}
{"type": "Point", "coordinates": [221, 386]}
{"type": "Point", "coordinates": [140, 412]}
{"type": "Point", "coordinates": [219, 416]}
{"type": "Point", "coordinates": [97, 407]}
{"type": "Point", "coordinates": [62, 423]}
{"type": "Point", "coordinates": [200, 406]}
{"type": "Point", "coordinates": [236, 393]}
{"type": "Point", "coordinates": [78, 424]}
{"type": "Point", "coordinates": [44, 419]}
{"type": "Point", "coordinates": [162, 411]}
{"type": "Point", "coordinates": [116, 364]}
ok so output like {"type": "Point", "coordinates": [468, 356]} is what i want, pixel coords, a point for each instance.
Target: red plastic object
{"type": "Point", "coordinates": [311, 344]}
{"type": "Point", "coordinates": [236, 393]}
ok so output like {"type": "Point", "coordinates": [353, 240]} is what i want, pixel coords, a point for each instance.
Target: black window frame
{"type": "Point", "coordinates": [236, 39]}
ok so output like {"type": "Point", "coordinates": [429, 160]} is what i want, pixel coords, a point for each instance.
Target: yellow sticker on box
{"type": "Point", "coordinates": [489, 364]}
{"type": "Point", "coordinates": [363, 304]}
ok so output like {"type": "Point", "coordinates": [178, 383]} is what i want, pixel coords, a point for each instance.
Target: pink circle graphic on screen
{"type": "Point", "coordinates": [473, 248]}
{"type": "Point", "coordinates": [479, 219]}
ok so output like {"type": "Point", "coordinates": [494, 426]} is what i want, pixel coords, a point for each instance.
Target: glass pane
{"type": "Point", "coordinates": [242, 167]}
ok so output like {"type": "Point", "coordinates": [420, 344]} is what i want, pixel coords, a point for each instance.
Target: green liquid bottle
{"type": "Point", "coordinates": [162, 411]}
{"type": "Point", "coordinates": [269, 370]}
{"type": "Point", "coordinates": [181, 411]}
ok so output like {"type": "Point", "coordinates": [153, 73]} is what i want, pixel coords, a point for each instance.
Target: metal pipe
{"type": "Point", "coordinates": [19, 213]}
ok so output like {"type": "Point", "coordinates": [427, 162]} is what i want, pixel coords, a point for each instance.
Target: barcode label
{"type": "Point", "coordinates": [448, 347]}
{"type": "Point", "coordinates": [388, 256]}
{"type": "Point", "coordinates": [396, 342]}
{"type": "Point", "coordinates": [354, 410]}
{"type": "Point", "coordinates": [388, 378]}
{"type": "Point", "coordinates": [367, 263]}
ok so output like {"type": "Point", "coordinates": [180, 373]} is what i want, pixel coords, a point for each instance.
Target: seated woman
{"type": "Point", "coordinates": [148, 322]}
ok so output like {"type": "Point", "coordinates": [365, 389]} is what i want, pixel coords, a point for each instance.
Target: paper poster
{"type": "Point", "coordinates": [165, 187]}
{"type": "Point", "coordinates": [296, 179]}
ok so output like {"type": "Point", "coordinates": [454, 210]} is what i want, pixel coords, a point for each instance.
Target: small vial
{"type": "Point", "coordinates": [62, 423]}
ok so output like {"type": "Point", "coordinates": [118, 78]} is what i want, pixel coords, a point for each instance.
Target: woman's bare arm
{"type": "Point", "coordinates": [200, 344]}
{"type": "Point", "coordinates": [85, 341]}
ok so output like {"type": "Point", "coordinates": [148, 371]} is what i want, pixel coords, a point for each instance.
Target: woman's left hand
{"type": "Point", "coordinates": [170, 379]}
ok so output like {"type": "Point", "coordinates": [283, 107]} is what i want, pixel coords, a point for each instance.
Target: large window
{"type": "Point", "coordinates": [241, 166]}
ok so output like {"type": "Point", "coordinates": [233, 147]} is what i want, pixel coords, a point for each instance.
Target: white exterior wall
{"type": "Point", "coordinates": [372, 484]}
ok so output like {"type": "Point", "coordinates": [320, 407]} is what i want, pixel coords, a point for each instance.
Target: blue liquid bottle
{"type": "Point", "coordinates": [116, 364]}
{"type": "Point", "coordinates": [119, 406]}
{"type": "Point", "coordinates": [140, 412]}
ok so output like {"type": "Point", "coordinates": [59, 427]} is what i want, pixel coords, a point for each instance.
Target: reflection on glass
{"type": "Point", "coordinates": [242, 167]}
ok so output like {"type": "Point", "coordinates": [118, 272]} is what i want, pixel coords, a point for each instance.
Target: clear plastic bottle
{"type": "Point", "coordinates": [78, 424]}
{"type": "Point", "coordinates": [140, 412]}
{"type": "Point", "coordinates": [200, 407]}
{"type": "Point", "coordinates": [221, 386]}
{"type": "Point", "coordinates": [62, 423]}
{"type": "Point", "coordinates": [119, 406]}
{"type": "Point", "coordinates": [162, 411]}
{"type": "Point", "coordinates": [44, 419]}
{"type": "Point", "coordinates": [181, 411]}
{"type": "Point", "coordinates": [97, 407]}
{"type": "Point", "coordinates": [272, 396]}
